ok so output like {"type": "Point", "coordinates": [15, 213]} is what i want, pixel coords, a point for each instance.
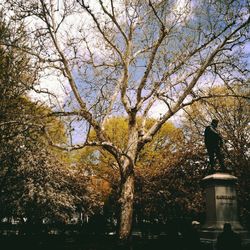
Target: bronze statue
{"type": "Point", "coordinates": [213, 143]}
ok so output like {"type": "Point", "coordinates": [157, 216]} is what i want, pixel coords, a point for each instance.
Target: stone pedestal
{"type": "Point", "coordinates": [221, 205]}
{"type": "Point", "coordinates": [221, 201]}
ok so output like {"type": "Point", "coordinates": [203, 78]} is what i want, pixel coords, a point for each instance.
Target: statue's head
{"type": "Point", "coordinates": [214, 123]}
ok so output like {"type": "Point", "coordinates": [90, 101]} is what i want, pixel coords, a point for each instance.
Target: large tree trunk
{"type": "Point", "coordinates": [126, 206]}
{"type": "Point", "coordinates": [127, 187]}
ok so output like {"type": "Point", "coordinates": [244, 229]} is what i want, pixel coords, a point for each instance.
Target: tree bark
{"type": "Point", "coordinates": [126, 206]}
{"type": "Point", "coordinates": [127, 187]}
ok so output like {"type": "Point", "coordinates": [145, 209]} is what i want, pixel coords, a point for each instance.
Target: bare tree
{"type": "Point", "coordinates": [127, 56]}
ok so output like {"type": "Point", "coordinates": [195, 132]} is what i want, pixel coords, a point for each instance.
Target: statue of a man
{"type": "Point", "coordinates": [213, 143]}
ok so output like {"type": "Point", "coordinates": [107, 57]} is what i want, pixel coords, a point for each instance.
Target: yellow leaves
{"type": "Point", "coordinates": [100, 186]}
{"type": "Point", "coordinates": [163, 143]}
{"type": "Point", "coordinates": [117, 130]}
{"type": "Point", "coordinates": [56, 130]}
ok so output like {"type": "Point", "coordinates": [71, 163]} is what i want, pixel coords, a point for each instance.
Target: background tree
{"type": "Point", "coordinates": [34, 179]}
{"type": "Point", "coordinates": [126, 56]}
{"type": "Point", "coordinates": [233, 114]}
{"type": "Point", "coordinates": [169, 187]}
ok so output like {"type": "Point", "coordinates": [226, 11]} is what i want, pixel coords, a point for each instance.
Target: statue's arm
{"type": "Point", "coordinates": [214, 130]}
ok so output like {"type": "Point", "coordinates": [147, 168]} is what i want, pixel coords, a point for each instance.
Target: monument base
{"type": "Point", "coordinates": [209, 235]}
{"type": "Point", "coordinates": [209, 238]}
{"type": "Point", "coordinates": [221, 207]}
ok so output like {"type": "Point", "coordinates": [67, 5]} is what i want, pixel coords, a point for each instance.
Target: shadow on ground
{"type": "Point", "coordinates": [16, 242]}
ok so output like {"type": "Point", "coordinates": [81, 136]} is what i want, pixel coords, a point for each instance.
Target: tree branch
{"type": "Point", "coordinates": [112, 17]}
{"type": "Point", "coordinates": [87, 8]}
{"type": "Point", "coordinates": [153, 130]}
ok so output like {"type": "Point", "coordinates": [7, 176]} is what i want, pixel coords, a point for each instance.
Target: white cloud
{"type": "Point", "coordinates": [57, 90]}
{"type": "Point", "coordinates": [158, 109]}
{"type": "Point", "coordinates": [181, 7]}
